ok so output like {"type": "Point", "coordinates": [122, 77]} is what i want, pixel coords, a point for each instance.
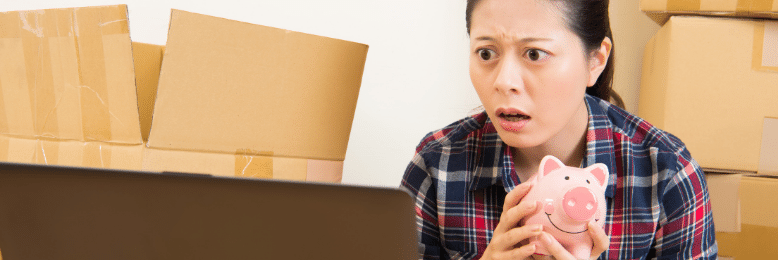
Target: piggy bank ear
{"type": "Point", "coordinates": [549, 164]}
{"type": "Point", "coordinates": [600, 172]}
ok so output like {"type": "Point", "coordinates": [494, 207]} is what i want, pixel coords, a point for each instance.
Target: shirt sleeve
{"type": "Point", "coordinates": [686, 228]}
{"type": "Point", "coordinates": [419, 183]}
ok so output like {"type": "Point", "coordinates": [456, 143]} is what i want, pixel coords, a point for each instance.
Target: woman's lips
{"type": "Point", "coordinates": [512, 120]}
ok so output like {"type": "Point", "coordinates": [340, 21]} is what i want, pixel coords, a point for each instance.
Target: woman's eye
{"type": "Point", "coordinates": [536, 55]}
{"type": "Point", "coordinates": [486, 54]}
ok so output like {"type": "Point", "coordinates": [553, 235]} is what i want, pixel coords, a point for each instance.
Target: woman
{"type": "Point", "coordinates": [542, 70]}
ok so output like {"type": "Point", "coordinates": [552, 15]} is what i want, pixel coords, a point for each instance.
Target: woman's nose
{"type": "Point", "coordinates": [509, 79]}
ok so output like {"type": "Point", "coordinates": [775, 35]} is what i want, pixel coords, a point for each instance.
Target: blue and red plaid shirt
{"type": "Point", "coordinates": [658, 204]}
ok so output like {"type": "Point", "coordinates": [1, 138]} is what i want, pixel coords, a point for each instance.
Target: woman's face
{"type": "Point", "coordinates": [529, 70]}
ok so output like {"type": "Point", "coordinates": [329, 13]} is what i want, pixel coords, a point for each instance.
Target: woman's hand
{"type": "Point", "coordinates": [600, 242]}
{"type": "Point", "coordinates": [508, 240]}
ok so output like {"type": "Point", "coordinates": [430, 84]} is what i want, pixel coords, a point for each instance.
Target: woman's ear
{"type": "Point", "coordinates": [598, 60]}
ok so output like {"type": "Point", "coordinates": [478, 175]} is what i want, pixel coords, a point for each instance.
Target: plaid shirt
{"type": "Point", "coordinates": [657, 198]}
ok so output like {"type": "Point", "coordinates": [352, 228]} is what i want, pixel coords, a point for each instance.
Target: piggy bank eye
{"type": "Point", "coordinates": [567, 178]}
{"type": "Point", "coordinates": [587, 182]}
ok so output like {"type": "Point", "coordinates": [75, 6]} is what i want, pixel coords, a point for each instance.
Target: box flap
{"type": "Point", "coordinates": [67, 74]}
{"type": "Point", "coordinates": [148, 60]}
{"type": "Point", "coordinates": [235, 87]}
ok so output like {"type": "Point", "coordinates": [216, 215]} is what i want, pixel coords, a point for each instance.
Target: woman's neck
{"type": "Point", "coordinates": [569, 145]}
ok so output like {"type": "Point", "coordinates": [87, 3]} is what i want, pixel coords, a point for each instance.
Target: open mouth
{"type": "Point", "coordinates": [513, 117]}
{"type": "Point", "coordinates": [569, 232]}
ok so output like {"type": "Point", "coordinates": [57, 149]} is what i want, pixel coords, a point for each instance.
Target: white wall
{"type": "Point", "coordinates": [415, 80]}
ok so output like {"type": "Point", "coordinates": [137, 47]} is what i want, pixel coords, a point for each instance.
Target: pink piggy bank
{"type": "Point", "coordinates": [570, 197]}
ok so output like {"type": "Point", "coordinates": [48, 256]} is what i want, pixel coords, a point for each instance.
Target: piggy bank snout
{"type": "Point", "coordinates": [579, 204]}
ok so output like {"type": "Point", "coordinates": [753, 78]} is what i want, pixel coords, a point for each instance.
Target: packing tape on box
{"type": "Point", "coordinates": [766, 46]}
{"type": "Point", "coordinates": [683, 5]}
{"type": "Point", "coordinates": [48, 54]}
{"type": "Point", "coordinates": [264, 165]}
{"type": "Point", "coordinates": [47, 153]}
{"type": "Point", "coordinates": [84, 154]}
{"type": "Point", "coordinates": [95, 155]}
{"type": "Point", "coordinates": [91, 25]}
{"type": "Point", "coordinates": [255, 164]}
{"type": "Point", "coordinates": [755, 5]}
{"type": "Point", "coordinates": [740, 5]}
{"type": "Point", "coordinates": [16, 109]}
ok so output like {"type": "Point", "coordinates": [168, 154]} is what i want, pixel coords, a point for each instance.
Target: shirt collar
{"type": "Point", "coordinates": [599, 134]}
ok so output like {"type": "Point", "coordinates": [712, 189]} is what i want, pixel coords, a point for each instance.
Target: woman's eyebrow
{"type": "Point", "coordinates": [522, 40]}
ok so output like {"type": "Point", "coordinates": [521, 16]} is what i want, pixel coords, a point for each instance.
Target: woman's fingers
{"type": "Point", "coordinates": [513, 237]}
{"type": "Point", "coordinates": [600, 243]}
{"type": "Point", "coordinates": [554, 247]}
{"type": "Point", "coordinates": [524, 252]}
{"type": "Point", "coordinates": [514, 197]}
{"type": "Point", "coordinates": [511, 218]}
{"type": "Point", "coordinates": [599, 239]}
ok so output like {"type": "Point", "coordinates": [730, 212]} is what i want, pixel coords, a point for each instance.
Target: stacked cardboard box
{"type": "Point", "coordinates": [661, 10]}
{"type": "Point", "coordinates": [68, 88]}
{"type": "Point", "coordinates": [232, 99]}
{"type": "Point", "coordinates": [713, 82]}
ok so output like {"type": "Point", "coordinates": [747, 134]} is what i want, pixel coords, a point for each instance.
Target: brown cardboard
{"type": "Point", "coordinates": [723, 190]}
{"type": "Point", "coordinates": [68, 88]}
{"type": "Point", "coordinates": [277, 104]}
{"type": "Point", "coordinates": [243, 165]}
{"type": "Point", "coordinates": [661, 10]}
{"type": "Point", "coordinates": [67, 74]}
{"type": "Point", "coordinates": [699, 83]}
{"type": "Point", "coordinates": [768, 156]}
{"type": "Point", "coordinates": [148, 60]}
{"type": "Point", "coordinates": [759, 230]}
{"type": "Point", "coordinates": [233, 87]}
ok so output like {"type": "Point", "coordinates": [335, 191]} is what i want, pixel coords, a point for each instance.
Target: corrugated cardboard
{"type": "Point", "coordinates": [243, 165]}
{"type": "Point", "coordinates": [723, 190]}
{"type": "Point", "coordinates": [661, 10]}
{"type": "Point", "coordinates": [228, 86]}
{"type": "Point", "coordinates": [148, 60]}
{"type": "Point", "coordinates": [235, 99]}
{"type": "Point", "coordinates": [68, 88]}
{"type": "Point", "coordinates": [759, 229]}
{"type": "Point", "coordinates": [240, 95]}
{"type": "Point", "coordinates": [701, 83]}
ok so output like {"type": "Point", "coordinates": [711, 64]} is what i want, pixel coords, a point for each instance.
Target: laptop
{"type": "Point", "coordinates": [55, 212]}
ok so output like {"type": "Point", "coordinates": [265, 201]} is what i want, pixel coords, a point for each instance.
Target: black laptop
{"type": "Point", "coordinates": [54, 212]}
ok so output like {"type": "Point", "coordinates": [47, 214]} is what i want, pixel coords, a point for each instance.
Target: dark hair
{"type": "Point", "coordinates": [589, 20]}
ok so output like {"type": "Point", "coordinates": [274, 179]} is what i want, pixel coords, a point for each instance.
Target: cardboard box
{"type": "Point", "coordinates": [661, 10]}
{"type": "Point", "coordinates": [234, 99]}
{"type": "Point", "coordinates": [759, 223]}
{"type": "Point", "coordinates": [252, 97]}
{"type": "Point", "coordinates": [68, 88]}
{"type": "Point", "coordinates": [712, 82]}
